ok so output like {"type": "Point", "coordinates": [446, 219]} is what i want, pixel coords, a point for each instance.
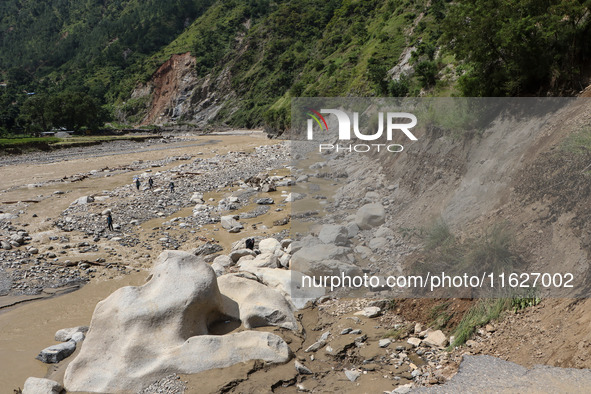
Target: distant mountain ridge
{"type": "Point", "coordinates": [242, 60]}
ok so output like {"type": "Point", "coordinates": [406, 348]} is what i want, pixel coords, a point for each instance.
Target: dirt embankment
{"type": "Point", "coordinates": [534, 176]}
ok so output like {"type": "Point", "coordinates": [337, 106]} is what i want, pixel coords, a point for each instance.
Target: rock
{"type": "Point", "coordinates": [223, 261]}
{"type": "Point", "coordinates": [56, 353]}
{"type": "Point", "coordinates": [5, 245]}
{"type": "Point", "coordinates": [218, 269]}
{"type": "Point", "coordinates": [370, 311]}
{"type": "Point", "coordinates": [230, 221]}
{"type": "Point", "coordinates": [65, 334]}
{"type": "Point", "coordinates": [418, 328]}
{"type": "Point", "coordinates": [41, 386]}
{"type": "Point", "coordinates": [352, 375]}
{"type": "Point", "coordinates": [284, 260]}
{"type": "Point", "coordinates": [33, 250]}
{"type": "Point", "coordinates": [352, 229]}
{"type": "Point", "coordinates": [268, 187]}
{"type": "Point", "coordinates": [306, 242]}
{"type": "Point", "coordinates": [321, 260]}
{"type": "Point", "coordinates": [288, 283]}
{"type": "Point", "coordinates": [291, 197]}
{"type": "Point", "coordinates": [264, 260]}
{"type": "Point", "coordinates": [83, 200]}
{"type": "Point", "coordinates": [334, 234]}
{"type": "Point", "coordinates": [436, 339]}
{"type": "Point", "coordinates": [302, 369]}
{"type": "Point", "coordinates": [489, 328]}
{"type": "Point", "coordinates": [141, 334]}
{"type": "Point", "coordinates": [7, 216]}
{"type": "Point", "coordinates": [378, 243]}
{"type": "Point", "coordinates": [471, 343]}
{"type": "Point", "coordinates": [384, 342]}
{"type": "Point", "coordinates": [18, 239]}
{"type": "Point", "coordinates": [302, 178]}
{"type": "Point", "coordinates": [265, 201]}
{"type": "Point", "coordinates": [405, 389]}
{"type": "Point", "coordinates": [207, 249]}
{"type": "Point", "coordinates": [255, 304]}
{"type": "Point", "coordinates": [346, 331]}
{"type": "Point", "coordinates": [416, 342]}
{"type": "Point", "coordinates": [237, 254]}
{"type": "Point", "coordinates": [285, 243]}
{"type": "Point", "coordinates": [78, 337]}
{"type": "Point", "coordinates": [383, 232]}
{"type": "Point", "coordinates": [106, 212]}
{"type": "Point", "coordinates": [370, 215]}
{"type": "Point", "coordinates": [269, 245]}
{"type": "Point", "coordinates": [197, 198]}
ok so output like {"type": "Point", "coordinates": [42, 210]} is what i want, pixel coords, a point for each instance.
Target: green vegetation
{"type": "Point", "coordinates": [519, 47]}
{"type": "Point", "coordinates": [493, 251]}
{"type": "Point", "coordinates": [488, 309]}
{"type": "Point", "coordinates": [483, 312]}
{"type": "Point", "coordinates": [18, 145]}
{"type": "Point", "coordinates": [262, 53]}
{"type": "Point", "coordinates": [399, 333]}
{"type": "Point", "coordinates": [578, 143]}
{"type": "Point", "coordinates": [440, 315]}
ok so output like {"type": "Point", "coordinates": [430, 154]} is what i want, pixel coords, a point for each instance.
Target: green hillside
{"type": "Point", "coordinates": [274, 50]}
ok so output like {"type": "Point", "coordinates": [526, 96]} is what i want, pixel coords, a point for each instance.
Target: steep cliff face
{"type": "Point", "coordinates": [176, 94]}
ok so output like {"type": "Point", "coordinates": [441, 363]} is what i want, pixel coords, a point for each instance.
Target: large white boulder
{"type": "Point", "coordinates": [370, 215]}
{"type": "Point", "coordinates": [229, 222]}
{"type": "Point", "coordinates": [41, 386]}
{"type": "Point", "coordinates": [334, 234]}
{"type": "Point", "coordinates": [255, 304]}
{"type": "Point", "coordinates": [140, 334]}
{"type": "Point", "coordinates": [321, 260]}
{"type": "Point", "coordinates": [269, 245]}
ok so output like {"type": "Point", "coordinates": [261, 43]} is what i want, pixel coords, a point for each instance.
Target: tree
{"type": "Point", "coordinates": [517, 47]}
{"type": "Point", "coordinates": [69, 110]}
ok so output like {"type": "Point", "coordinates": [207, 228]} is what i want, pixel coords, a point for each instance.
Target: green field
{"type": "Point", "coordinates": [24, 144]}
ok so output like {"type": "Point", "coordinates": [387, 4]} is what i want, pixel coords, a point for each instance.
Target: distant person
{"type": "Point", "coordinates": [137, 183]}
{"type": "Point", "coordinates": [171, 186]}
{"type": "Point", "coordinates": [110, 222]}
{"type": "Point", "coordinates": [150, 182]}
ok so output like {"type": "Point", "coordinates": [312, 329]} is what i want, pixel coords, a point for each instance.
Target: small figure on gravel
{"type": "Point", "coordinates": [249, 243]}
{"type": "Point", "coordinates": [171, 186]}
{"type": "Point", "coordinates": [137, 183]}
{"type": "Point", "coordinates": [150, 183]}
{"type": "Point", "coordinates": [110, 222]}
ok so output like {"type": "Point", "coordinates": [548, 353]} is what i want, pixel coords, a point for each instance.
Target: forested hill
{"type": "Point", "coordinates": [246, 58]}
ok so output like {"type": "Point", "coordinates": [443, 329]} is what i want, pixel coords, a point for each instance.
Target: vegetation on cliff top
{"type": "Point", "coordinates": [275, 50]}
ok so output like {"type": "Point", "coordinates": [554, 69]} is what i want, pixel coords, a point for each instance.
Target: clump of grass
{"type": "Point", "coordinates": [578, 143]}
{"type": "Point", "coordinates": [493, 252]}
{"type": "Point", "coordinates": [439, 234]}
{"type": "Point", "coordinates": [20, 142]}
{"type": "Point", "coordinates": [489, 309]}
{"type": "Point", "coordinates": [400, 332]}
{"type": "Point", "coordinates": [440, 316]}
{"type": "Point", "coordinates": [485, 310]}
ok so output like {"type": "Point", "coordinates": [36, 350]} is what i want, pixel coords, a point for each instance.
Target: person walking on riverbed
{"type": "Point", "coordinates": [110, 222]}
{"type": "Point", "coordinates": [150, 183]}
{"type": "Point", "coordinates": [137, 183]}
{"type": "Point", "coordinates": [171, 186]}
